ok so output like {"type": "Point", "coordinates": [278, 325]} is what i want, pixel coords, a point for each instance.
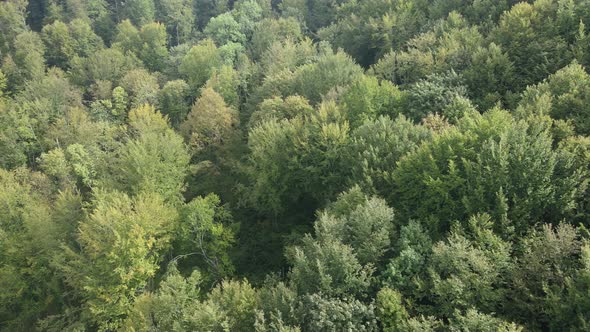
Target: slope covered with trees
{"type": "Point", "coordinates": [274, 166]}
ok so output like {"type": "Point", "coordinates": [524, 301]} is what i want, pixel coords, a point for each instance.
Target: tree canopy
{"type": "Point", "coordinates": [294, 165]}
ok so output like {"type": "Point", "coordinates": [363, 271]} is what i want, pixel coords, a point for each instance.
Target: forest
{"type": "Point", "coordinates": [295, 165]}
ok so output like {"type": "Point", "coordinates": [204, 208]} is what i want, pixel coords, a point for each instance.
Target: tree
{"type": "Point", "coordinates": [127, 38]}
{"type": "Point", "coordinates": [29, 237]}
{"type": "Point", "coordinates": [331, 71]}
{"type": "Point", "coordinates": [390, 310]}
{"type": "Point", "coordinates": [377, 146]}
{"type": "Point", "coordinates": [407, 268]}
{"type": "Point", "coordinates": [170, 307]}
{"type": "Point", "coordinates": [473, 320]}
{"type": "Point", "coordinates": [327, 267]}
{"type": "Point", "coordinates": [566, 90]}
{"type": "Point", "coordinates": [438, 94]}
{"type": "Point", "coordinates": [142, 87]}
{"type": "Point", "coordinates": [178, 17]}
{"type": "Point", "coordinates": [70, 167]}
{"type": "Point", "coordinates": [449, 45]}
{"type": "Point", "coordinates": [199, 63]}
{"type": "Point", "coordinates": [368, 98]}
{"type": "Point", "coordinates": [364, 223]}
{"type": "Point", "coordinates": [366, 30]}
{"type": "Point", "coordinates": [206, 9]}
{"type": "Point", "coordinates": [147, 43]}
{"type": "Point", "coordinates": [210, 122]}
{"type": "Point", "coordinates": [28, 62]}
{"type": "Point", "coordinates": [294, 164]}
{"type": "Point", "coordinates": [549, 257]}
{"type": "Point", "coordinates": [280, 109]}
{"type": "Point", "coordinates": [59, 44]}
{"type": "Point", "coordinates": [467, 269]}
{"type": "Point", "coordinates": [140, 12]}
{"type": "Point", "coordinates": [153, 51]}
{"type": "Point", "coordinates": [153, 160]}
{"type": "Point", "coordinates": [490, 77]}
{"type": "Point", "coordinates": [458, 174]}
{"type": "Point", "coordinates": [54, 95]}
{"type": "Point", "coordinates": [527, 33]}
{"type": "Point", "coordinates": [174, 100]}
{"type": "Point", "coordinates": [121, 265]}
{"type": "Point", "coordinates": [287, 54]}
{"type": "Point", "coordinates": [105, 65]}
{"type": "Point", "coordinates": [12, 22]}
{"type": "Point", "coordinates": [248, 14]}
{"type": "Point", "coordinates": [2, 84]}
{"type": "Point", "coordinates": [269, 31]}
{"type": "Point", "coordinates": [84, 41]}
{"type": "Point", "coordinates": [236, 301]}
{"type": "Point", "coordinates": [206, 230]}
{"type": "Point", "coordinates": [226, 81]}
{"type": "Point", "coordinates": [223, 29]}
{"type": "Point", "coordinates": [321, 313]}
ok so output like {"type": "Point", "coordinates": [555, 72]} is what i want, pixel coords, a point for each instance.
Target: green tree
{"type": "Point", "coordinates": [153, 160]}
{"type": "Point", "coordinates": [206, 9]}
{"type": "Point", "coordinates": [364, 223]}
{"type": "Point", "coordinates": [490, 77]}
{"type": "Point", "coordinates": [174, 100]}
{"type": "Point", "coordinates": [29, 237]}
{"type": "Point", "coordinates": [206, 231]}
{"type": "Point", "coordinates": [59, 44]}
{"type": "Point", "coordinates": [127, 38]}
{"type": "Point", "coordinates": [28, 61]}
{"type": "Point", "coordinates": [294, 164]}
{"type": "Point", "coordinates": [226, 81]}
{"type": "Point", "coordinates": [223, 29]}
{"type": "Point", "coordinates": [120, 102]}
{"type": "Point", "coordinates": [170, 307]}
{"type": "Point", "coordinates": [447, 46]}
{"type": "Point", "coordinates": [549, 256]}
{"type": "Point", "coordinates": [140, 12]}
{"type": "Point", "coordinates": [473, 320]}
{"type": "Point", "coordinates": [121, 265]}
{"type": "Point", "coordinates": [105, 65]}
{"type": "Point", "coordinates": [142, 87]}
{"type": "Point", "coordinates": [236, 302]}
{"type": "Point", "coordinates": [390, 310]}
{"type": "Point", "coordinates": [178, 17]}
{"type": "Point", "coordinates": [153, 51]}
{"type": "Point", "coordinates": [485, 165]}
{"type": "Point", "coordinates": [12, 22]}
{"type": "Point", "coordinates": [210, 122]}
{"type": "Point", "coordinates": [287, 54]}
{"type": "Point", "coordinates": [329, 267]}
{"type": "Point", "coordinates": [2, 83]}
{"type": "Point", "coordinates": [407, 268]}
{"type": "Point", "coordinates": [527, 34]}
{"type": "Point", "coordinates": [248, 14]}
{"type": "Point", "coordinates": [368, 98]}
{"type": "Point", "coordinates": [278, 109]}
{"type": "Point", "coordinates": [268, 31]}
{"type": "Point", "coordinates": [566, 90]}
{"type": "Point", "coordinates": [467, 270]}
{"type": "Point", "coordinates": [377, 146]}
{"type": "Point", "coordinates": [199, 63]}
{"type": "Point", "coordinates": [438, 94]}
{"type": "Point", "coordinates": [321, 313]}
{"type": "Point", "coordinates": [84, 41]}
{"type": "Point", "coordinates": [331, 70]}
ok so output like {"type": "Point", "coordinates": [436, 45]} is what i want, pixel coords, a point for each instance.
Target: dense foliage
{"type": "Point", "coordinates": [291, 165]}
